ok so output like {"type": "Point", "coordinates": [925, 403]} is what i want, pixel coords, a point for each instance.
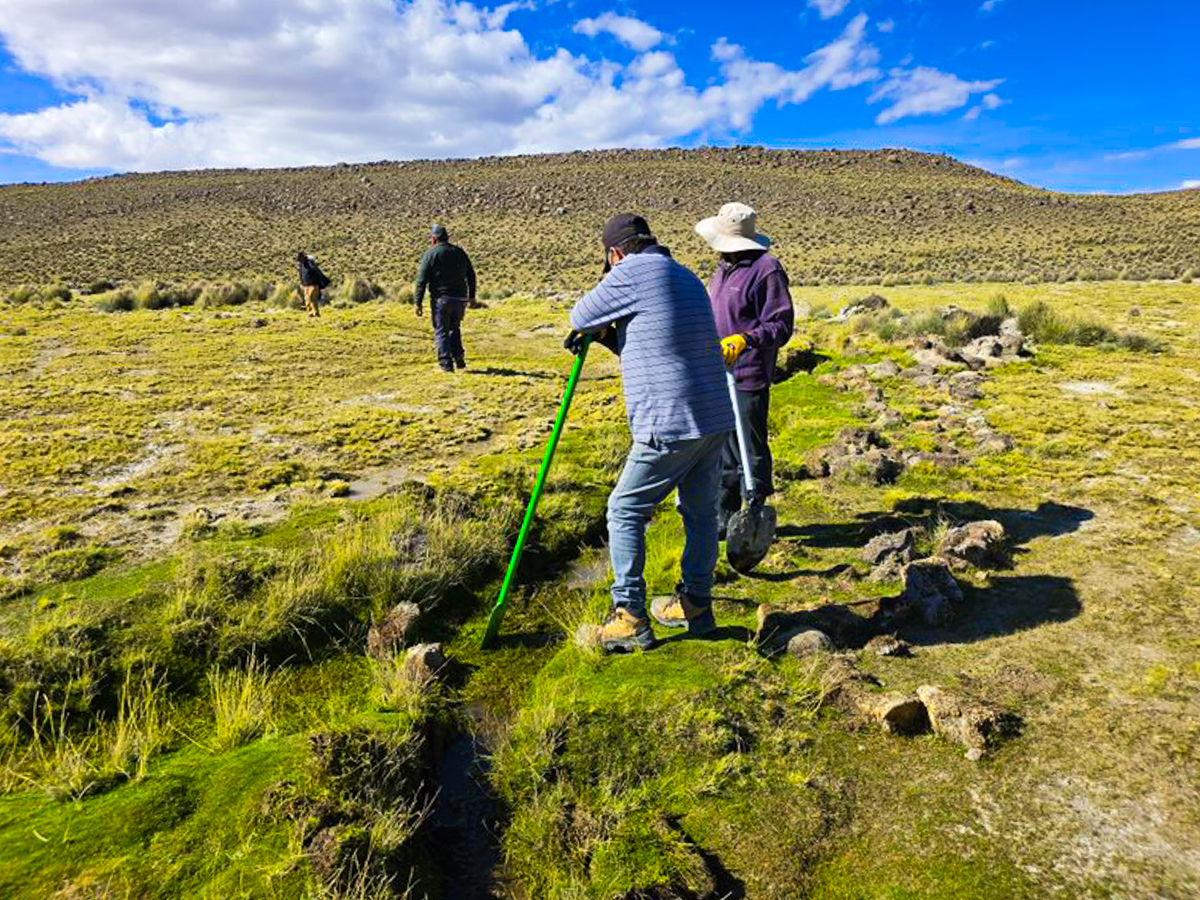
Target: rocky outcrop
{"type": "Point", "coordinates": [859, 454]}
{"type": "Point", "coordinates": [889, 553]}
{"type": "Point", "coordinates": [424, 664]}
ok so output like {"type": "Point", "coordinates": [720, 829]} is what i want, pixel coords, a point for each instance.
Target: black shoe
{"type": "Point", "coordinates": [460, 363]}
{"type": "Point", "coordinates": [446, 367]}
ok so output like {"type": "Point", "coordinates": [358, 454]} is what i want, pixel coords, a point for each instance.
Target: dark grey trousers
{"type": "Point", "coordinates": [447, 314]}
{"type": "Point", "coordinates": [753, 407]}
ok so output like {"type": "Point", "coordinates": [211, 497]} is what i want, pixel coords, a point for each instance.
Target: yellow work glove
{"type": "Point", "coordinates": [732, 347]}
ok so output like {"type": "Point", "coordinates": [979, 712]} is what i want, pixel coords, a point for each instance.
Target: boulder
{"type": "Point", "coordinates": [394, 632]}
{"type": "Point", "coordinates": [896, 713]}
{"type": "Point", "coordinates": [424, 664]}
{"type": "Point", "coordinates": [808, 643]}
{"type": "Point", "coordinates": [934, 359]}
{"type": "Point", "coordinates": [977, 726]}
{"type": "Point", "coordinates": [930, 593]}
{"type": "Point", "coordinates": [980, 545]}
{"type": "Point", "coordinates": [837, 624]}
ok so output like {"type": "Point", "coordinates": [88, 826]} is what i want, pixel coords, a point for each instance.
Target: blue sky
{"type": "Point", "coordinates": [1072, 96]}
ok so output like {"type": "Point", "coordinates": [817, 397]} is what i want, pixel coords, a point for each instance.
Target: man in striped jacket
{"type": "Point", "coordinates": [657, 316]}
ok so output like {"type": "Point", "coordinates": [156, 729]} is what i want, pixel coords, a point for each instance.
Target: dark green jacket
{"type": "Point", "coordinates": [446, 270]}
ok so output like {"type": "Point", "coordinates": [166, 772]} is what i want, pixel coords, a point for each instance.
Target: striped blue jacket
{"type": "Point", "coordinates": [671, 367]}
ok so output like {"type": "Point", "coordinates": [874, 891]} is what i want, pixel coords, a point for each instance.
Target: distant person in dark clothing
{"type": "Point", "coordinates": [313, 281]}
{"type": "Point", "coordinates": [753, 309]}
{"type": "Point", "coordinates": [447, 272]}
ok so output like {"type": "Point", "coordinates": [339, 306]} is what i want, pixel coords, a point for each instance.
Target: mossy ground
{"type": "Point", "coordinates": [698, 766]}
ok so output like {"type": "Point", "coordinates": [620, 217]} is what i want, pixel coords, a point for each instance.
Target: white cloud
{"type": "Point", "coordinates": [633, 33]}
{"type": "Point", "coordinates": [1190, 183]}
{"type": "Point", "coordinates": [988, 5]}
{"type": "Point", "coordinates": [1189, 144]}
{"type": "Point", "coordinates": [923, 91]}
{"type": "Point", "coordinates": [827, 9]}
{"type": "Point", "coordinates": [988, 102]}
{"type": "Point", "coordinates": [887, 26]}
{"type": "Point", "coordinates": [163, 85]}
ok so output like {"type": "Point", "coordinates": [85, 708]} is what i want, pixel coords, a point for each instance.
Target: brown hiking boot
{"type": "Point", "coordinates": [621, 630]}
{"type": "Point", "coordinates": [681, 610]}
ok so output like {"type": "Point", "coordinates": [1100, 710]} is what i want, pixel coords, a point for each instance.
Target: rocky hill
{"type": "Point", "coordinates": [532, 222]}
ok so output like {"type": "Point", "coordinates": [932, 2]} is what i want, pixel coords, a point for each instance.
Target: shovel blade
{"type": "Point", "coordinates": [748, 537]}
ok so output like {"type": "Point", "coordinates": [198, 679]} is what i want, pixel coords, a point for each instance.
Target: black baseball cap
{"type": "Point", "coordinates": [622, 228]}
{"type": "Point", "coordinates": [439, 232]}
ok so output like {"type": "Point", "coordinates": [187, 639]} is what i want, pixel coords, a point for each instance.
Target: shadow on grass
{"type": "Point", "coordinates": [1050, 519]}
{"type": "Point", "coordinates": [510, 373]}
{"type": "Point", "coordinates": [1008, 605]}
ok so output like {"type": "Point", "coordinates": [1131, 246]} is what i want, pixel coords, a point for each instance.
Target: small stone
{"type": "Point", "coordinates": [888, 645]}
{"type": "Point", "coordinates": [974, 754]}
{"type": "Point", "coordinates": [393, 632]}
{"type": "Point", "coordinates": [424, 664]}
{"type": "Point", "coordinates": [896, 713]}
{"type": "Point", "coordinates": [806, 643]}
{"type": "Point", "coordinates": [886, 369]}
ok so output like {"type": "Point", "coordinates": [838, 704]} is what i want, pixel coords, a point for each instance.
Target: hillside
{"type": "Point", "coordinates": [531, 222]}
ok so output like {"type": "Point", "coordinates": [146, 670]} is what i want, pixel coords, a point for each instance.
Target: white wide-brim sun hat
{"type": "Point", "coordinates": [732, 230]}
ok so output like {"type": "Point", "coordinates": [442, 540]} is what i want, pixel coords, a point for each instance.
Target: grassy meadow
{"type": "Point", "coordinates": [203, 509]}
{"type": "Point", "coordinates": [213, 509]}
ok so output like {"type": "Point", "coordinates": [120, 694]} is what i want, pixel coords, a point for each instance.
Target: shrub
{"type": "Point", "coordinates": [1188, 276]}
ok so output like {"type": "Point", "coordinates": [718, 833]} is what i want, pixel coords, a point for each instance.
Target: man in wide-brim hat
{"type": "Point", "coordinates": [754, 315]}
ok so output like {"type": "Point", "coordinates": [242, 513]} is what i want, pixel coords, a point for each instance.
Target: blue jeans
{"type": "Point", "coordinates": [447, 315]}
{"type": "Point", "coordinates": [652, 471]}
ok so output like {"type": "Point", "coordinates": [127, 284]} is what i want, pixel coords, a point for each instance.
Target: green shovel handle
{"type": "Point", "coordinates": [493, 624]}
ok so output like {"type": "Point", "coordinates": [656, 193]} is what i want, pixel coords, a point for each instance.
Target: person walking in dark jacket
{"type": "Point", "coordinates": [753, 309]}
{"type": "Point", "coordinates": [313, 281]}
{"type": "Point", "coordinates": [447, 272]}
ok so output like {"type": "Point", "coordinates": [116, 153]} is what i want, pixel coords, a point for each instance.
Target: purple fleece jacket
{"type": "Point", "coordinates": [750, 297]}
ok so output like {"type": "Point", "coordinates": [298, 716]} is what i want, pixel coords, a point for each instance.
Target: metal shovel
{"type": "Point", "coordinates": [751, 530]}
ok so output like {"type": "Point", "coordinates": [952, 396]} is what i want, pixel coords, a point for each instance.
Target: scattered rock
{"type": "Point", "coordinates": [886, 369]}
{"type": "Point", "coordinates": [842, 683]}
{"type": "Point", "coordinates": [424, 664]}
{"type": "Point", "coordinates": [897, 713]}
{"type": "Point", "coordinates": [930, 593]}
{"type": "Point", "coordinates": [888, 645]}
{"type": "Point", "coordinates": [807, 643]}
{"type": "Point", "coordinates": [837, 624]}
{"type": "Point", "coordinates": [896, 545]}
{"type": "Point", "coordinates": [981, 545]}
{"type": "Point", "coordinates": [977, 726]}
{"type": "Point", "coordinates": [393, 632]}
{"type": "Point", "coordinates": [859, 453]}
{"type": "Point", "coordinates": [965, 386]}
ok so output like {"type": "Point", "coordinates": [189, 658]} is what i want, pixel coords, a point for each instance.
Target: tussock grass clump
{"type": "Point", "coordinates": [358, 290]}
{"type": "Point", "coordinates": [1044, 324]}
{"type": "Point", "coordinates": [224, 294]}
{"type": "Point", "coordinates": [243, 703]}
{"type": "Point", "coordinates": [287, 296]}
{"type": "Point", "coordinates": [116, 300]}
